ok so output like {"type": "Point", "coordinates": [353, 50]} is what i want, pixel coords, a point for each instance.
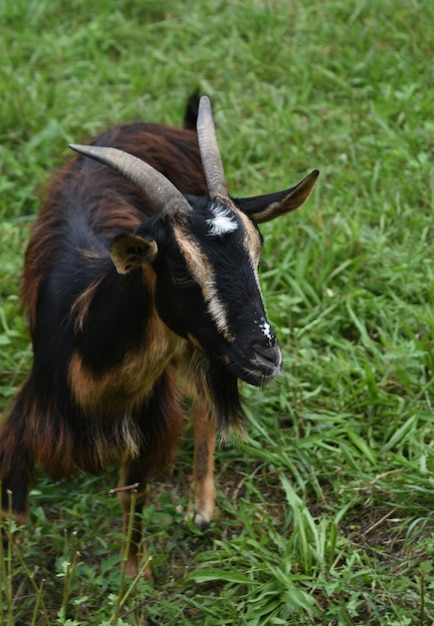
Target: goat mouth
{"type": "Point", "coordinates": [257, 371]}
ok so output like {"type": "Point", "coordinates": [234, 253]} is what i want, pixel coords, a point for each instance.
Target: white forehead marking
{"type": "Point", "coordinates": [223, 222]}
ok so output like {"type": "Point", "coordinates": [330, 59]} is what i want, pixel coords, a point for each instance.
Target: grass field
{"type": "Point", "coordinates": [325, 512]}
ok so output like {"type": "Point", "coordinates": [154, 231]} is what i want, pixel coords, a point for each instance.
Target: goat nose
{"type": "Point", "coordinates": [267, 350]}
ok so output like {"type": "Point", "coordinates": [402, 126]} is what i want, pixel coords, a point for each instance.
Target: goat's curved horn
{"type": "Point", "coordinates": [161, 194]}
{"type": "Point", "coordinates": [209, 151]}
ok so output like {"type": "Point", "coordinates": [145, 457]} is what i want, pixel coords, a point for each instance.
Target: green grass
{"type": "Point", "coordinates": [325, 512]}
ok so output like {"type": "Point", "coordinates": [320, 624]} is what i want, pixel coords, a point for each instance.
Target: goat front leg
{"type": "Point", "coordinates": [132, 495]}
{"type": "Point", "coordinates": [203, 472]}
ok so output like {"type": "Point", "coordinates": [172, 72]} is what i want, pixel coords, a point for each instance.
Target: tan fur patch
{"type": "Point", "coordinates": [195, 342]}
{"type": "Point", "coordinates": [80, 308]}
{"type": "Point", "coordinates": [127, 385]}
{"type": "Point", "coordinates": [252, 241]}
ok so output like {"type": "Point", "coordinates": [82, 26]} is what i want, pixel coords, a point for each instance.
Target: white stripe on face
{"type": "Point", "coordinates": [201, 270]}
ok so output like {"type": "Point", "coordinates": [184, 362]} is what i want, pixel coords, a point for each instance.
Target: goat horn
{"type": "Point", "coordinates": [161, 194]}
{"type": "Point", "coordinates": [209, 151]}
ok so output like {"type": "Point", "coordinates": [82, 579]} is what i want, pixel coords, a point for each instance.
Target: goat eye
{"type": "Point", "coordinates": [181, 277]}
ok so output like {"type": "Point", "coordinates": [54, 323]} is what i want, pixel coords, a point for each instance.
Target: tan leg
{"type": "Point", "coordinates": [132, 498]}
{"type": "Point", "coordinates": [203, 473]}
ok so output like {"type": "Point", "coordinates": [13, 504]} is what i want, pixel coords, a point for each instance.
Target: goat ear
{"type": "Point", "coordinates": [128, 252]}
{"type": "Point", "coordinates": [265, 208]}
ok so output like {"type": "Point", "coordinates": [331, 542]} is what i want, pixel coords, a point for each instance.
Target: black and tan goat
{"type": "Point", "coordinates": [132, 272]}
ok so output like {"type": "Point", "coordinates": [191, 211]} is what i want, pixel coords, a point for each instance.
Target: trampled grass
{"type": "Point", "coordinates": [325, 512]}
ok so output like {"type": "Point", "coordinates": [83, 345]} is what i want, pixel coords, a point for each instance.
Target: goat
{"type": "Point", "coordinates": [133, 273]}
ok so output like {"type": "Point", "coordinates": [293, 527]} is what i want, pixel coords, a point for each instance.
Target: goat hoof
{"type": "Point", "coordinates": [201, 522]}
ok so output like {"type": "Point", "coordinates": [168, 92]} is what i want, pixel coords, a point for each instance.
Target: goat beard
{"type": "Point", "coordinates": [223, 388]}
{"type": "Point", "coordinates": [220, 387]}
